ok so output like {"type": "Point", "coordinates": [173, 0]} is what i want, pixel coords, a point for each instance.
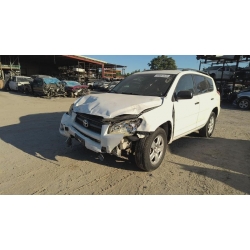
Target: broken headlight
{"type": "Point", "coordinates": [71, 109]}
{"type": "Point", "coordinates": [127, 127]}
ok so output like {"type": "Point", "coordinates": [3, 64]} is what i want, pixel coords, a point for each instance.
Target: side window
{"type": "Point", "coordinates": [34, 82]}
{"type": "Point", "coordinates": [211, 85]}
{"type": "Point", "coordinates": [39, 82]}
{"type": "Point", "coordinates": [185, 83]}
{"type": "Point", "coordinates": [202, 85]}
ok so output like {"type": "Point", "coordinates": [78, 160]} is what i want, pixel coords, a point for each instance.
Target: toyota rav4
{"type": "Point", "coordinates": [143, 113]}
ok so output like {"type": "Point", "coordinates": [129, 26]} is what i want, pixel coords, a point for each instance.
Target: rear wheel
{"type": "Point", "coordinates": [244, 103]}
{"type": "Point", "coordinates": [150, 151]}
{"type": "Point", "coordinates": [208, 129]}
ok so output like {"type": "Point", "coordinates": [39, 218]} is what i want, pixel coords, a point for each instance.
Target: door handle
{"type": "Point", "coordinates": [212, 98]}
{"type": "Point", "coordinates": [196, 103]}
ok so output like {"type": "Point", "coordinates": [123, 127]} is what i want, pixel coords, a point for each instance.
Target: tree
{"type": "Point", "coordinates": [128, 74]}
{"type": "Point", "coordinates": [162, 62]}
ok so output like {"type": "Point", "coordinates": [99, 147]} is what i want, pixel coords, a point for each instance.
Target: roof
{"type": "Point", "coordinates": [95, 61]}
{"type": "Point", "coordinates": [159, 72]}
{"type": "Point", "coordinates": [174, 72]}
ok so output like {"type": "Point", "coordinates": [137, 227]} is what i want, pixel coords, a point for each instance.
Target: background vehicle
{"type": "Point", "coordinates": [112, 85]}
{"type": "Point", "coordinates": [44, 85]}
{"type": "Point", "coordinates": [243, 99]}
{"type": "Point", "coordinates": [228, 93]}
{"type": "Point", "coordinates": [242, 75]}
{"type": "Point", "coordinates": [143, 113]}
{"type": "Point", "coordinates": [99, 84]}
{"type": "Point", "coordinates": [20, 83]}
{"type": "Point", "coordinates": [74, 88]}
{"type": "Point", "coordinates": [216, 72]}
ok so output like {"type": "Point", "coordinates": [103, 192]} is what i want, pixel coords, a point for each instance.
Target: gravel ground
{"type": "Point", "coordinates": [35, 160]}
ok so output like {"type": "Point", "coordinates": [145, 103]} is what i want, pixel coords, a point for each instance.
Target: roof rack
{"type": "Point", "coordinates": [199, 71]}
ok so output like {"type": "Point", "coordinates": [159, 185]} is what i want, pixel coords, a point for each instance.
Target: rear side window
{"type": "Point", "coordinates": [185, 83]}
{"type": "Point", "coordinates": [211, 85]}
{"type": "Point", "coordinates": [201, 84]}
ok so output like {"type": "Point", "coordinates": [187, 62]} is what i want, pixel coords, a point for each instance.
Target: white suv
{"type": "Point", "coordinates": [143, 113]}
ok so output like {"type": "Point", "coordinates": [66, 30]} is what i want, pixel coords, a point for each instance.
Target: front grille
{"type": "Point", "coordinates": [94, 123]}
{"type": "Point", "coordinates": [93, 139]}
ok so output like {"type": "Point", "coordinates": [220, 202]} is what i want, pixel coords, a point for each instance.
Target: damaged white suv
{"type": "Point", "coordinates": [143, 113]}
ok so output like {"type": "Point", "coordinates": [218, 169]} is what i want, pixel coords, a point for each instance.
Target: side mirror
{"type": "Point", "coordinates": [187, 94]}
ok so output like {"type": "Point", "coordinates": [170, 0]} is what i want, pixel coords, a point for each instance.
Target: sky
{"type": "Point", "coordinates": [136, 62]}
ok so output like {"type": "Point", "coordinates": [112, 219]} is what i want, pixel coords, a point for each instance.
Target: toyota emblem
{"type": "Point", "coordinates": [85, 123]}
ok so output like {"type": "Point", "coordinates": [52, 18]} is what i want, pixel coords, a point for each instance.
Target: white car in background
{"type": "Point", "coordinates": [143, 113]}
{"type": "Point", "coordinates": [216, 72]}
{"type": "Point", "coordinates": [20, 83]}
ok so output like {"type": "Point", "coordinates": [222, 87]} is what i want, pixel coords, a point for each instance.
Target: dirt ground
{"type": "Point", "coordinates": [34, 158]}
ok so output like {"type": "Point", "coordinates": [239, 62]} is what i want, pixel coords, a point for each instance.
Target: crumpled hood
{"type": "Point", "coordinates": [111, 105]}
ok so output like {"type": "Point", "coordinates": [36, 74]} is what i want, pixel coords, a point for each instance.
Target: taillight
{"type": "Point", "coordinates": [218, 92]}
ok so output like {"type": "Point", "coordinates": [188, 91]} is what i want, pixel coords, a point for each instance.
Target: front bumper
{"type": "Point", "coordinates": [99, 143]}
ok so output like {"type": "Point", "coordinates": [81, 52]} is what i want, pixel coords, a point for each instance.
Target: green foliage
{"type": "Point", "coordinates": [162, 62]}
{"type": "Point", "coordinates": [133, 72]}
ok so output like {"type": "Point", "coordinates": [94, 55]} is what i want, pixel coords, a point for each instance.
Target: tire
{"type": "Point", "coordinates": [150, 151]}
{"type": "Point", "coordinates": [208, 129]}
{"type": "Point", "coordinates": [244, 103]}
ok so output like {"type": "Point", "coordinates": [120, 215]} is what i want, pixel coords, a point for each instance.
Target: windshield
{"type": "Point", "coordinates": [51, 80]}
{"type": "Point", "coordinates": [72, 83]}
{"type": "Point", "coordinates": [145, 84]}
{"type": "Point", "coordinates": [214, 68]}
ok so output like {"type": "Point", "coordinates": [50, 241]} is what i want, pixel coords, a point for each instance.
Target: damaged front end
{"type": "Point", "coordinates": [101, 135]}
{"type": "Point", "coordinates": [108, 123]}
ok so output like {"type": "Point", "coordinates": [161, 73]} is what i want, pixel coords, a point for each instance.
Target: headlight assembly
{"type": "Point", "coordinates": [127, 127]}
{"type": "Point", "coordinates": [71, 109]}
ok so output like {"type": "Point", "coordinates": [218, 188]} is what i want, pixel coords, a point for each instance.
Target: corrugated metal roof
{"type": "Point", "coordinates": [91, 58]}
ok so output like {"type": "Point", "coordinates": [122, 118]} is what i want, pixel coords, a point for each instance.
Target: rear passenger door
{"type": "Point", "coordinates": [205, 92]}
{"type": "Point", "coordinates": [185, 110]}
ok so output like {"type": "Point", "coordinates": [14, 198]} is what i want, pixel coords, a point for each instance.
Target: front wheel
{"type": "Point", "coordinates": [150, 151]}
{"type": "Point", "coordinates": [208, 129]}
{"type": "Point", "coordinates": [244, 103]}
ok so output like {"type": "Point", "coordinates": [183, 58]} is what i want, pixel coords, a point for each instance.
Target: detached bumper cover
{"type": "Point", "coordinates": [93, 141]}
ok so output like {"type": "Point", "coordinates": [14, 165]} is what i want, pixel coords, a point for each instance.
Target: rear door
{"type": "Point", "coordinates": [185, 110]}
{"type": "Point", "coordinates": [204, 89]}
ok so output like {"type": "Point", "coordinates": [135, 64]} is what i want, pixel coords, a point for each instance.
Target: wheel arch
{"type": "Point", "coordinates": [215, 110]}
{"type": "Point", "coordinates": [244, 97]}
{"type": "Point", "coordinates": [167, 126]}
